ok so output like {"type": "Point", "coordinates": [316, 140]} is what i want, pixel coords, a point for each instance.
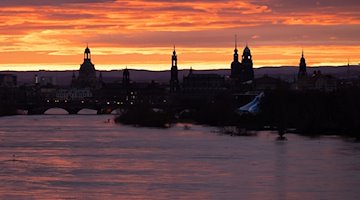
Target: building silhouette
{"type": "Point", "coordinates": [235, 65]}
{"type": "Point", "coordinates": [8, 80]}
{"type": "Point", "coordinates": [247, 71]}
{"type": "Point", "coordinates": [242, 72]}
{"type": "Point", "coordinates": [126, 77]}
{"type": "Point", "coordinates": [199, 84]}
{"type": "Point", "coordinates": [302, 67]}
{"type": "Point", "coordinates": [87, 73]}
{"type": "Point", "coordinates": [174, 81]}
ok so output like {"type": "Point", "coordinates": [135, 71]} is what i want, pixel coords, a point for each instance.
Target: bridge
{"type": "Point", "coordinates": [72, 107]}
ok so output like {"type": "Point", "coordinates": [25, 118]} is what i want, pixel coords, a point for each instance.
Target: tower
{"type": "Point", "coordinates": [126, 77]}
{"type": "Point", "coordinates": [247, 71]}
{"type": "Point", "coordinates": [174, 81]}
{"type": "Point", "coordinates": [87, 72]}
{"type": "Point", "coordinates": [73, 79]}
{"type": "Point", "coordinates": [302, 66]}
{"type": "Point", "coordinates": [235, 65]}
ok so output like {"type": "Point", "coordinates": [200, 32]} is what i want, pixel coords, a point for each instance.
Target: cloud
{"type": "Point", "coordinates": [15, 3]}
{"type": "Point", "coordinates": [62, 27]}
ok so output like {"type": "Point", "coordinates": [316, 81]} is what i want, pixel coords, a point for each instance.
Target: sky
{"type": "Point", "coordinates": [139, 34]}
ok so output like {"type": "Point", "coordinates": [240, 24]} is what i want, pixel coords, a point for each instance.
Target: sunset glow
{"type": "Point", "coordinates": [140, 34]}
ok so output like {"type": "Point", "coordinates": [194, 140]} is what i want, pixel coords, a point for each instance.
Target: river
{"type": "Point", "coordinates": [90, 157]}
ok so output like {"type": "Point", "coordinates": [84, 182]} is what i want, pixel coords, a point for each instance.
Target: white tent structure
{"type": "Point", "coordinates": [253, 107]}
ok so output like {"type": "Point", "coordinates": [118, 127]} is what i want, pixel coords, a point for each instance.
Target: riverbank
{"type": "Point", "coordinates": [307, 113]}
{"type": "Point", "coordinates": [7, 110]}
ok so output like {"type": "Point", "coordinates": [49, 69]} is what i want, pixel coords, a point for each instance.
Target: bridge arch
{"type": "Point", "coordinates": [111, 110]}
{"type": "Point", "coordinates": [87, 111]}
{"type": "Point", "coordinates": [56, 111]}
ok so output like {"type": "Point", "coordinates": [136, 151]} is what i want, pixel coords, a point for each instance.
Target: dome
{"type": "Point", "coordinates": [247, 50]}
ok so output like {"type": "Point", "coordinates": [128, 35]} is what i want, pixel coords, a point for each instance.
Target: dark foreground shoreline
{"type": "Point", "coordinates": [310, 113]}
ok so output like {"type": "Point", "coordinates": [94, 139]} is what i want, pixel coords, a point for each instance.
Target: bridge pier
{"type": "Point", "coordinates": [72, 111]}
{"type": "Point", "coordinates": [36, 111]}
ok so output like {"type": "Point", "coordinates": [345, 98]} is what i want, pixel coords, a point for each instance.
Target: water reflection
{"type": "Point", "coordinates": [83, 157]}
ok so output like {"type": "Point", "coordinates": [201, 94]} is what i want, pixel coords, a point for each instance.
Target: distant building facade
{"type": "Point", "coordinates": [317, 81]}
{"type": "Point", "coordinates": [323, 82]}
{"type": "Point", "coordinates": [73, 94]}
{"type": "Point", "coordinates": [8, 80]}
{"type": "Point", "coordinates": [45, 80]}
{"type": "Point", "coordinates": [270, 83]}
{"type": "Point", "coordinates": [203, 83]}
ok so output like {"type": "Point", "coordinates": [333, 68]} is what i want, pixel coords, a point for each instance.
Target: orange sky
{"type": "Point", "coordinates": [140, 34]}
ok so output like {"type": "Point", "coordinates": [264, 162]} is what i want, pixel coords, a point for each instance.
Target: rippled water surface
{"type": "Point", "coordinates": [86, 157]}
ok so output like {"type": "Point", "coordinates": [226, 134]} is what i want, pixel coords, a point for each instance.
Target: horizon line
{"type": "Point", "coordinates": [181, 69]}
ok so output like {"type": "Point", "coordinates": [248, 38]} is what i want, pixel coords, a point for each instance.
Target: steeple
{"type": "Point", "coordinates": [126, 77]}
{"type": "Point", "coordinates": [236, 55]}
{"type": "Point", "coordinates": [174, 59]}
{"type": "Point", "coordinates": [235, 65]}
{"type": "Point", "coordinates": [190, 71]}
{"type": "Point", "coordinates": [235, 41]}
{"type": "Point", "coordinates": [302, 66]}
{"type": "Point", "coordinates": [174, 81]}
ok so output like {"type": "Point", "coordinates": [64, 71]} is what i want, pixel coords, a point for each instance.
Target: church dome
{"type": "Point", "coordinates": [247, 50]}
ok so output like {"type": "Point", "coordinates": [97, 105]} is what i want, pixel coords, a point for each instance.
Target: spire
{"type": "Point", "coordinates": [174, 52]}
{"type": "Point", "coordinates": [235, 50]}
{"type": "Point", "coordinates": [235, 41]}
{"type": "Point", "coordinates": [302, 53]}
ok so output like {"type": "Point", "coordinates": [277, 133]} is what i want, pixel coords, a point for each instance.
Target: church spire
{"type": "Point", "coordinates": [235, 41]}
{"type": "Point", "coordinates": [174, 82]}
{"type": "Point", "coordinates": [236, 55]}
{"type": "Point", "coordinates": [302, 66]}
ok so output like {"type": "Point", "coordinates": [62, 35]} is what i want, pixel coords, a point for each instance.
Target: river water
{"type": "Point", "coordinates": [89, 157]}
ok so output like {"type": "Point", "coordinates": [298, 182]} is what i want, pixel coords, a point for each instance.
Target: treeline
{"type": "Point", "coordinates": [8, 101]}
{"type": "Point", "coordinates": [305, 112]}
{"type": "Point", "coordinates": [313, 112]}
